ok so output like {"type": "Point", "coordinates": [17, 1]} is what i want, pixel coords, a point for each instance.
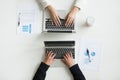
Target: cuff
{"type": "Point", "coordinates": [74, 68]}
{"type": "Point", "coordinates": [44, 66]}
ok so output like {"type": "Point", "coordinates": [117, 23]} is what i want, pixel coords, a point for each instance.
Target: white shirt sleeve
{"type": "Point", "coordinates": [44, 3]}
{"type": "Point", "coordinates": [80, 3]}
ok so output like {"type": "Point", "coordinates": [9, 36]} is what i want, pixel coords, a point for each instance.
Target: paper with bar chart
{"type": "Point", "coordinates": [28, 16]}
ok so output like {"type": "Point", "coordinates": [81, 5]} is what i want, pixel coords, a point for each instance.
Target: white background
{"type": "Point", "coordinates": [20, 55]}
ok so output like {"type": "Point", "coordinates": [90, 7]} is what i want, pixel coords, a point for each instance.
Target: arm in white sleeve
{"type": "Point", "coordinates": [80, 3]}
{"type": "Point", "coordinates": [44, 3]}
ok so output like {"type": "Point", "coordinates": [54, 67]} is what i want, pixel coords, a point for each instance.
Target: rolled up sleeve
{"type": "Point", "coordinates": [44, 3]}
{"type": "Point", "coordinates": [80, 3]}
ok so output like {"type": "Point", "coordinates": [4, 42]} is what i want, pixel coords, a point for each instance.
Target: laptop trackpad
{"type": "Point", "coordinates": [58, 63]}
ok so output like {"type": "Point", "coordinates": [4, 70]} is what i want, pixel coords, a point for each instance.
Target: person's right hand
{"type": "Point", "coordinates": [68, 59]}
{"type": "Point", "coordinates": [54, 16]}
{"type": "Point", "coordinates": [49, 58]}
{"type": "Point", "coordinates": [70, 18]}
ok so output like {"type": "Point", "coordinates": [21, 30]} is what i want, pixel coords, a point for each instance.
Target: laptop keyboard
{"type": "Point", "coordinates": [61, 51]}
{"type": "Point", "coordinates": [49, 25]}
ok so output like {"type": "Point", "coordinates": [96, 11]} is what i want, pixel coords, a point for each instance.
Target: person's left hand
{"type": "Point", "coordinates": [68, 59]}
{"type": "Point", "coordinates": [71, 16]}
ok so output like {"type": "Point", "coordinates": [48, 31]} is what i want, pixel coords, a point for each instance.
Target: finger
{"type": "Point", "coordinates": [71, 54]}
{"type": "Point", "coordinates": [53, 56]}
{"type": "Point", "coordinates": [70, 22]}
{"type": "Point", "coordinates": [52, 22]}
{"type": "Point", "coordinates": [49, 53]}
{"type": "Point", "coordinates": [67, 22]}
{"type": "Point", "coordinates": [65, 58]}
{"type": "Point", "coordinates": [55, 20]}
{"type": "Point", "coordinates": [64, 54]}
{"type": "Point", "coordinates": [59, 20]}
{"type": "Point", "coordinates": [66, 19]}
{"type": "Point", "coordinates": [68, 54]}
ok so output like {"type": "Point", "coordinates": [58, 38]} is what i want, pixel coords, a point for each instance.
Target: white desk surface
{"type": "Point", "coordinates": [20, 55]}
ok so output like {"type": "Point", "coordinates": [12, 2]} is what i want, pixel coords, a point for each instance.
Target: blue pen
{"type": "Point", "coordinates": [88, 54]}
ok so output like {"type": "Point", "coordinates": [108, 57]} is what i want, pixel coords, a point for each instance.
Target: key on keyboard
{"type": "Point", "coordinates": [61, 27]}
{"type": "Point", "coordinates": [61, 51]}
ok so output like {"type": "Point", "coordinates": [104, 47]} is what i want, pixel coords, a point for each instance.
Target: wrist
{"type": "Point", "coordinates": [49, 7]}
{"type": "Point", "coordinates": [71, 65]}
{"type": "Point", "coordinates": [75, 9]}
{"type": "Point", "coordinates": [47, 63]}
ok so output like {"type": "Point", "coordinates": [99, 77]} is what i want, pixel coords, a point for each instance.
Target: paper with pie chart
{"type": "Point", "coordinates": [90, 54]}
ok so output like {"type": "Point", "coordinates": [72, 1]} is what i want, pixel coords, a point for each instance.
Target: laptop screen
{"type": "Point", "coordinates": [59, 43]}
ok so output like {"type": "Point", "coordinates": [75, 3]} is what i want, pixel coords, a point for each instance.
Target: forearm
{"type": "Point", "coordinates": [41, 72]}
{"type": "Point", "coordinates": [76, 72]}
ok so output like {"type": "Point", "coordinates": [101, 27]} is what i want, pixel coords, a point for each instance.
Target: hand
{"type": "Point", "coordinates": [54, 16]}
{"type": "Point", "coordinates": [71, 16]}
{"type": "Point", "coordinates": [68, 59]}
{"type": "Point", "coordinates": [49, 59]}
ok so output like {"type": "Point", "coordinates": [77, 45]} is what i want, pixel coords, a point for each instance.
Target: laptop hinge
{"type": "Point", "coordinates": [60, 31]}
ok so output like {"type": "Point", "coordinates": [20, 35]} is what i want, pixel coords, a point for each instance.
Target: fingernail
{"type": "Point", "coordinates": [65, 25]}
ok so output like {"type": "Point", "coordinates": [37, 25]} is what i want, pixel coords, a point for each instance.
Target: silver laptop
{"type": "Point", "coordinates": [49, 27]}
{"type": "Point", "coordinates": [60, 48]}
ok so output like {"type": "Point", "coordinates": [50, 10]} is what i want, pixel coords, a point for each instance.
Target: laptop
{"type": "Point", "coordinates": [49, 27]}
{"type": "Point", "coordinates": [60, 48]}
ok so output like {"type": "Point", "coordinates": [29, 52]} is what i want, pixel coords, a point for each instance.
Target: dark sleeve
{"type": "Point", "coordinates": [76, 72]}
{"type": "Point", "coordinates": [41, 72]}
